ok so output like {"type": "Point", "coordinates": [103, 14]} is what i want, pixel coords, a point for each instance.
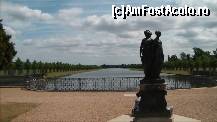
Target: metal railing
{"type": "Point", "coordinates": [98, 84]}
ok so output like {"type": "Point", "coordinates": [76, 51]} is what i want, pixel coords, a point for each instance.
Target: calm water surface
{"type": "Point", "coordinates": [173, 81]}
{"type": "Point", "coordinates": [111, 72]}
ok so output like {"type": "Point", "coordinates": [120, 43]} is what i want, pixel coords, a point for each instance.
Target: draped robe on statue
{"type": "Point", "coordinates": [152, 57]}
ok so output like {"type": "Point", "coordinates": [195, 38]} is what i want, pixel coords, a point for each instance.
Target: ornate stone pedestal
{"type": "Point", "coordinates": [153, 119]}
{"type": "Point", "coordinates": [174, 118]}
{"type": "Point", "coordinates": [151, 114]}
{"type": "Point", "coordinates": [152, 102]}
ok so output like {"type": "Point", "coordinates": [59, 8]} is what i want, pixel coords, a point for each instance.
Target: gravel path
{"type": "Point", "coordinates": [102, 106]}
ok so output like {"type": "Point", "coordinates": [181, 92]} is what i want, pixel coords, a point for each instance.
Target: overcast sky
{"type": "Point", "coordinates": [83, 31]}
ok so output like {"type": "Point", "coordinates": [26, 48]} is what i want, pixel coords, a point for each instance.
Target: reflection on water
{"type": "Point", "coordinates": [110, 72]}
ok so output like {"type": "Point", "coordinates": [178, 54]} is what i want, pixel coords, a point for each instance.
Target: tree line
{"type": "Point", "coordinates": [136, 66]}
{"type": "Point", "coordinates": [198, 62]}
{"type": "Point", "coordinates": [39, 67]}
{"type": "Point", "coordinates": [201, 60]}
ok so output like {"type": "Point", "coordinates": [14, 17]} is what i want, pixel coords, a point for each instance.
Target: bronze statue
{"type": "Point", "coordinates": [152, 88]}
{"type": "Point", "coordinates": [146, 53]}
{"type": "Point", "coordinates": [152, 57]}
{"type": "Point", "coordinates": [158, 59]}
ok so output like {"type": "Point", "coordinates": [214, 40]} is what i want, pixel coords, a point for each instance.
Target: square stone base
{"type": "Point", "coordinates": [153, 119]}
{"type": "Point", "coordinates": [174, 118]}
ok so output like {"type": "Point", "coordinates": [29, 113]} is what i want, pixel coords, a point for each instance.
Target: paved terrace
{"type": "Point", "coordinates": [102, 106]}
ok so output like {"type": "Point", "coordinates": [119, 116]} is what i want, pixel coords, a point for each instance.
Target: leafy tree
{"type": "Point", "coordinates": [215, 53]}
{"type": "Point", "coordinates": [196, 64]}
{"type": "Point", "coordinates": [19, 65]}
{"type": "Point", "coordinates": [27, 66]}
{"type": "Point", "coordinates": [46, 67]}
{"type": "Point", "coordinates": [34, 66]}
{"type": "Point", "coordinates": [40, 67]}
{"type": "Point", "coordinates": [54, 67]}
{"type": "Point", "coordinates": [185, 60]}
{"type": "Point", "coordinates": [200, 59]}
{"type": "Point", "coordinates": [199, 52]}
{"type": "Point", "coordinates": [173, 58]}
{"type": "Point", "coordinates": [7, 51]}
{"type": "Point", "coordinates": [213, 63]}
{"type": "Point", "coordinates": [183, 56]}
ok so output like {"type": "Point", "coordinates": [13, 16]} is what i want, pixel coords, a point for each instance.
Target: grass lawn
{"type": "Point", "coordinates": [178, 72]}
{"type": "Point", "coordinates": [49, 74]}
{"type": "Point", "coordinates": [61, 74]}
{"type": "Point", "coordinates": [136, 69]}
{"type": "Point", "coordinates": [12, 110]}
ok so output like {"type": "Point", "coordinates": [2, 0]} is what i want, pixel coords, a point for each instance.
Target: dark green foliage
{"type": "Point", "coordinates": [34, 66]}
{"type": "Point", "coordinates": [200, 59]}
{"type": "Point", "coordinates": [7, 51]}
{"type": "Point", "coordinates": [19, 65]}
{"type": "Point", "coordinates": [215, 53]}
{"type": "Point", "coordinates": [45, 67]}
{"type": "Point", "coordinates": [136, 66]}
{"type": "Point", "coordinates": [27, 65]}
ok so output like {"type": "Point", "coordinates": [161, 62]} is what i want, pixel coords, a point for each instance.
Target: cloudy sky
{"type": "Point", "coordinates": [83, 31]}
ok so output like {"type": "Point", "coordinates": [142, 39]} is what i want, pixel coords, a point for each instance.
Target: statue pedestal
{"type": "Point", "coordinates": [174, 118]}
{"type": "Point", "coordinates": [153, 119]}
{"type": "Point", "coordinates": [152, 102]}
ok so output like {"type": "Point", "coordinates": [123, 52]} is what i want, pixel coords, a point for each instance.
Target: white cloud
{"type": "Point", "coordinates": [19, 18]}
{"type": "Point", "coordinates": [70, 16]}
{"type": "Point", "coordinates": [96, 38]}
{"type": "Point", "coordinates": [28, 42]}
{"type": "Point", "coordinates": [67, 14]}
{"type": "Point", "coordinates": [22, 13]}
{"type": "Point", "coordinates": [211, 4]}
{"type": "Point", "coordinates": [10, 30]}
{"type": "Point", "coordinates": [132, 26]}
